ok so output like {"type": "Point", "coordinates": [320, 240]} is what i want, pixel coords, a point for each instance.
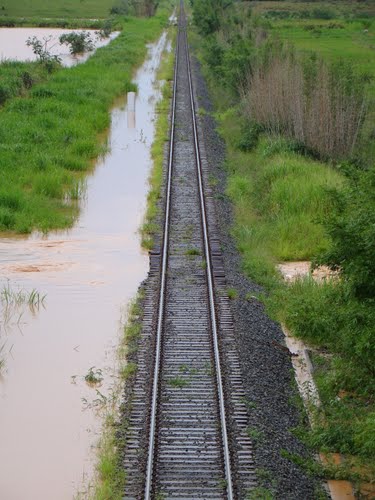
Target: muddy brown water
{"type": "Point", "coordinates": [13, 44]}
{"type": "Point", "coordinates": [50, 417]}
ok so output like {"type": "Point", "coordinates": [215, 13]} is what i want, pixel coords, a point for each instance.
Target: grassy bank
{"type": "Point", "coordinates": [165, 74]}
{"type": "Point", "coordinates": [110, 474]}
{"type": "Point", "coordinates": [52, 135]}
{"type": "Point", "coordinates": [289, 205]}
{"type": "Point", "coordinates": [57, 22]}
{"type": "Point", "coordinates": [279, 197]}
{"type": "Point", "coordinates": [68, 9]}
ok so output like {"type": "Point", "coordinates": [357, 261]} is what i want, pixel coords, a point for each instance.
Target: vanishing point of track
{"type": "Point", "coordinates": [194, 430]}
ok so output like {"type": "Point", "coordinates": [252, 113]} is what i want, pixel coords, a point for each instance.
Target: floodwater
{"type": "Point", "coordinates": [50, 417]}
{"type": "Point", "coordinates": [13, 44]}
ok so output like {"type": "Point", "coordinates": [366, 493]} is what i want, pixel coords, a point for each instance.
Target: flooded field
{"type": "Point", "coordinates": [49, 415]}
{"type": "Point", "coordinates": [13, 44]}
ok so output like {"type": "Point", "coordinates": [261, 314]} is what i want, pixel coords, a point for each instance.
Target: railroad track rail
{"type": "Point", "coordinates": [187, 427]}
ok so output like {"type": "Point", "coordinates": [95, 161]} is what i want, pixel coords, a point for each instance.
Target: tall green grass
{"type": "Point", "coordinates": [67, 9]}
{"type": "Point", "coordinates": [279, 197]}
{"type": "Point", "coordinates": [49, 138]}
{"type": "Point", "coordinates": [149, 227]}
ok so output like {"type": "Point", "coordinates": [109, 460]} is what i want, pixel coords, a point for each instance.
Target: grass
{"type": "Point", "coordinates": [178, 382]}
{"type": "Point", "coordinates": [52, 137]}
{"type": "Point", "coordinates": [279, 197]}
{"type": "Point", "coordinates": [149, 226]}
{"type": "Point", "coordinates": [111, 476]}
{"type": "Point", "coordinates": [232, 293]}
{"type": "Point", "coordinates": [10, 297]}
{"type": "Point", "coordinates": [342, 42]}
{"type": "Point", "coordinates": [350, 41]}
{"type": "Point", "coordinates": [68, 9]}
{"type": "Point", "coordinates": [18, 77]}
{"type": "Point", "coordinates": [94, 376]}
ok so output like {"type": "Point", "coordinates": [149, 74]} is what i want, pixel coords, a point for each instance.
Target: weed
{"type": "Point", "coordinates": [178, 382]}
{"type": "Point", "coordinates": [260, 493]}
{"type": "Point", "coordinates": [251, 405]}
{"type": "Point", "coordinates": [254, 434]}
{"type": "Point", "coordinates": [223, 483]}
{"type": "Point", "coordinates": [2, 357]}
{"type": "Point", "coordinates": [129, 370]}
{"type": "Point", "coordinates": [232, 293]}
{"type": "Point", "coordinates": [193, 252]}
{"type": "Point", "coordinates": [94, 377]}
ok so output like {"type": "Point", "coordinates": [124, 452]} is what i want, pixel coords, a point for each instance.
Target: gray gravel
{"type": "Point", "coordinates": [266, 369]}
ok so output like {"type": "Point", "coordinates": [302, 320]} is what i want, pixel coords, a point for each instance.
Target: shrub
{"type": "Point", "coordinates": [316, 105]}
{"type": "Point", "coordinates": [351, 226]}
{"type": "Point", "coordinates": [78, 42]}
{"type": "Point", "coordinates": [42, 49]}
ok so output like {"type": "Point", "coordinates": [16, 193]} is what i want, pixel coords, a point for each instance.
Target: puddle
{"type": "Point", "coordinates": [13, 44]}
{"type": "Point", "coordinates": [48, 419]}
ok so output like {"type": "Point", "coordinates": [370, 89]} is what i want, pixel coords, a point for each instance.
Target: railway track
{"type": "Point", "coordinates": [187, 423]}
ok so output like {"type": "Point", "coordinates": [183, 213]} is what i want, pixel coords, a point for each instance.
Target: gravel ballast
{"type": "Point", "coordinates": [266, 367]}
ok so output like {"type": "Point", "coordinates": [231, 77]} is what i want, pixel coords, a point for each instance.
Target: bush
{"type": "Point", "coordinates": [351, 226]}
{"type": "Point", "coordinates": [78, 42]}
{"type": "Point", "coordinates": [328, 316]}
{"type": "Point", "coordinates": [249, 136]}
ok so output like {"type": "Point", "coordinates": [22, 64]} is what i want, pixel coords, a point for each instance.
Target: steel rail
{"type": "Point", "coordinates": [227, 459]}
{"type": "Point", "coordinates": [159, 333]}
{"type": "Point", "coordinates": [155, 388]}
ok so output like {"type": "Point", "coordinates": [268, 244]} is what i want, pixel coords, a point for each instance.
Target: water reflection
{"type": "Point", "coordinates": [13, 44]}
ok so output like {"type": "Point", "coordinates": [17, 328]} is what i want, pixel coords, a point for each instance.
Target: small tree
{"type": "Point", "coordinates": [42, 49]}
{"type": "Point", "coordinates": [78, 42]}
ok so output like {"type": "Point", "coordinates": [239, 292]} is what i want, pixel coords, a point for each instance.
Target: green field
{"type": "Point", "coordinates": [85, 9]}
{"type": "Point", "coordinates": [352, 42]}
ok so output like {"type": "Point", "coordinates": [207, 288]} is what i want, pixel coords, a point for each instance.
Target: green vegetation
{"type": "Point", "coordinates": [17, 78]}
{"type": "Point", "coordinates": [48, 22]}
{"type": "Point", "coordinates": [94, 376]}
{"type": "Point", "coordinates": [293, 199]}
{"type": "Point", "coordinates": [178, 382]}
{"type": "Point", "coordinates": [67, 9]}
{"type": "Point", "coordinates": [78, 42]}
{"type": "Point", "coordinates": [12, 298]}
{"type": "Point", "coordinates": [149, 226]}
{"type": "Point", "coordinates": [111, 476]}
{"type": "Point", "coordinates": [193, 252]}
{"type": "Point", "coordinates": [49, 139]}
{"type": "Point", "coordinates": [232, 293]}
